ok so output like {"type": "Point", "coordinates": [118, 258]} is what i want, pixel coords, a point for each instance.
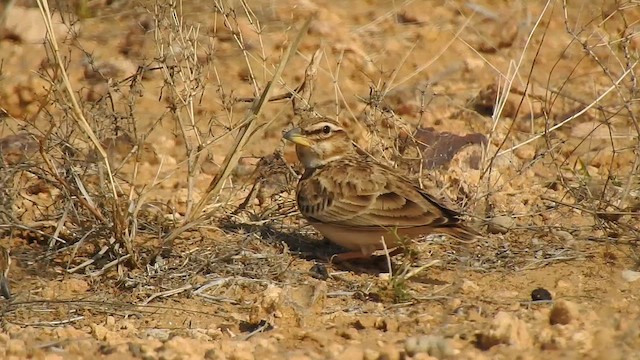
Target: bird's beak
{"type": "Point", "coordinates": [295, 136]}
{"type": "Point", "coordinates": [4, 287]}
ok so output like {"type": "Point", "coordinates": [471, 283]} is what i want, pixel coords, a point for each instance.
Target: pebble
{"type": "Point", "coordinates": [159, 334]}
{"type": "Point", "coordinates": [474, 315]}
{"type": "Point", "coordinates": [335, 351]}
{"type": "Point", "coordinates": [526, 152]}
{"type": "Point", "coordinates": [53, 357]}
{"type": "Point", "coordinates": [630, 275]}
{"type": "Point", "coordinates": [111, 321]}
{"type": "Point", "coordinates": [99, 332]}
{"type": "Point", "coordinates": [385, 325]}
{"type": "Point", "coordinates": [242, 354]}
{"type": "Point", "coordinates": [423, 356]}
{"type": "Point", "coordinates": [564, 235]}
{"type": "Point", "coordinates": [297, 357]}
{"type": "Point", "coordinates": [563, 284]}
{"type": "Point", "coordinates": [469, 287]}
{"type": "Point", "coordinates": [454, 304]}
{"type": "Point", "coordinates": [350, 334]}
{"type": "Point", "coordinates": [213, 354]}
{"type": "Point", "coordinates": [433, 345]}
{"type": "Point", "coordinates": [135, 349]}
{"type": "Point", "coordinates": [539, 294]}
{"type": "Point", "coordinates": [505, 329]}
{"type": "Point", "coordinates": [264, 345]}
{"type": "Point", "coordinates": [16, 347]}
{"type": "Point", "coordinates": [389, 353]}
{"type": "Point", "coordinates": [370, 354]}
{"type": "Point", "coordinates": [501, 224]}
{"type": "Point", "coordinates": [352, 353]}
{"type": "Point", "coordinates": [181, 347]}
{"type": "Point", "coordinates": [13, 330]}
{"type": "Point", "coordinates": [4, 338]}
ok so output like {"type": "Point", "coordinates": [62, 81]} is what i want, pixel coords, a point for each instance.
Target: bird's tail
{"type": "Point", "coordinates": [4, 287]}
{"type": "Point", "coordinates": [460, 232]}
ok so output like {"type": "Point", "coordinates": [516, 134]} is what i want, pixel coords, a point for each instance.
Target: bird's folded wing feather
{"type": "Point", "coordinates": [369, 197]}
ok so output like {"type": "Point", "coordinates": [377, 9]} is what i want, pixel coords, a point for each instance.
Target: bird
{"type": "Point", "coordinates": [5, 264]}
{"type": "Point", "coordinates": [356, 202]}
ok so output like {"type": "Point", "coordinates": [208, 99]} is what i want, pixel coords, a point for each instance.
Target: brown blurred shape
{"type": "Point", "coordinates": [438, 148]}
{"type": "Point", "coordinates": [16, 148]}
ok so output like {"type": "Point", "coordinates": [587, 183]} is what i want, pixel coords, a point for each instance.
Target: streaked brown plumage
{"type": "Point", "coordinates": [5, 264]}
{"type": "Point", "coordinates": [354, 201]}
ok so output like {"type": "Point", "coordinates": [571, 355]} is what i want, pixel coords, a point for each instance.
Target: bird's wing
{"type": "Point", "coordinates": [367, 195]}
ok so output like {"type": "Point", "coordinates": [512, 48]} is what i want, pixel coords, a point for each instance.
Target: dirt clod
{"type": "Point", "coordinates": [16, 347]}
{"type": "Point", "coordinates": [505, 329]}
{"type": "Point", "coordinates": [433, 345]}
{"type": "Point", "coordinates": [563, 312]}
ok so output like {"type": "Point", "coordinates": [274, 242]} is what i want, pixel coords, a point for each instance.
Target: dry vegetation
{"type": "Point", "coordinates": [147, 197]}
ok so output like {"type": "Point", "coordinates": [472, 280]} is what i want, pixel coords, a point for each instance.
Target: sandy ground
{"type": "Point", "coordinates": [554, 277]}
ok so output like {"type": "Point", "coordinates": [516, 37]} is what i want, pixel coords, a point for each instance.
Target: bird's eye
{"type": "Point", "coordinates": [326, 129]}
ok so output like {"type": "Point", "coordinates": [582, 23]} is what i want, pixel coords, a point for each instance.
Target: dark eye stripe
{"type": "Point", "coordinates": [319, 130]}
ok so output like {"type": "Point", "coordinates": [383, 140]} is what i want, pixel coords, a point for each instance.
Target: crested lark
{"type": "Point", "coordinates": [355, 202]}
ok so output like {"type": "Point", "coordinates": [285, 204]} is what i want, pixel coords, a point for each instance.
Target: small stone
{"type": "Point", "coordinates": [135, 349]}
{"type": "Point", "coordinates": [99, 332]}
{"type": "Point", "coordinates": [209, 167]}
{"type": "Point", "coordinates": [563, 284]}
{"type": "Point", "coordinates": [563, 312]}
{"type": "Point", "coordinates": [505, 329]}
{"type": "Point", "coordinates": [213, 354]}
{"type": "Point", "coordinates": [265, 345]}
{"type": "Point", "coordinates": [506, 295]}
{"type": "Point", "coordinates": [352, 353]}
{"type": "Point", "coordinates": [433, 345]}
{"type": "Point", "coordinates": [370, 354]}
{"type": "Point", "coordinates": [185, 348]}
{"type": "Point", "coordinates": [53, 357]}
{"type": "Point", "coordinates": [111, 321]}
{"type": "Point", "coordinates": [389, 353]}
{"type": "Point", "coordinates": [474, 315]}
{"type": "Point", "coordinates": [630, 275]}
{"type": "Point", "coordinates": [454, 305]}
{"type": "Point", "coordinates": [16, 347]}
{"type": "Point", "coordinates": [526, 152]}
{"type": "Point", "coordinates": [335, 350]}
{"type": "Point", "coordinates": [540, 294]}
{"type": "Point", "coordinates": [423, 356]}
{"type": "Point", "coordinates": [159, 334]}
{"type": "Point", "coordinates": [386, 324]}
{"type": "Point", "coordinates": [242, 354]}
{"type": "Point", "coordinates": [23, 24]}
{"type": "Point", "coordinates": [384, 276]}
{"type": "Point", "coordinates": [563, 235]}
{"type": "Point", "coordinates": [469, 287]}
{"type": "Point", "coordinates": [350, 334]}
{"type": "Point", "coordinates": [271, 298]}
{"type": "Point", "coordinates": [106, 349]}
{"type": "Point", "coordinates": [297, 357]}
{"type": "Point", "coordinates": [501, 224]}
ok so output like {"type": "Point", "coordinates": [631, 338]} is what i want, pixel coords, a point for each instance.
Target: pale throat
{"type": "Point", "coordinates": [311, 160]}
